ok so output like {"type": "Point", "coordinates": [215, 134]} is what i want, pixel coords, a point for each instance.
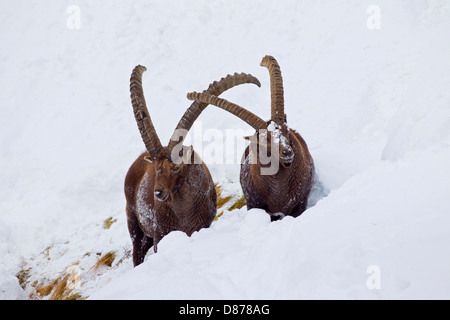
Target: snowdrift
{"type": "Point", "coordinates": [379, 218]}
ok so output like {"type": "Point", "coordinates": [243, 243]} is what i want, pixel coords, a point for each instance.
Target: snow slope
{"type": "Point", "coordinates": [373, 106]}
{"type": "Point", "coordinates": [323, 254]}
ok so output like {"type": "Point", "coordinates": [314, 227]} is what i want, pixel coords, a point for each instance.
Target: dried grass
{"type": "Point", "coordinates": [221, 201]}
{"type": "Point", "coordinates": [108, 222]}
{"type": "Point", "coordinates": [105, 261]}
{"type": "Point", "coordinates": [239, 203]}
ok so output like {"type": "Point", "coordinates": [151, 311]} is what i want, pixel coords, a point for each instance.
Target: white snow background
{"type": "Point", "coordinates": [372, 104]}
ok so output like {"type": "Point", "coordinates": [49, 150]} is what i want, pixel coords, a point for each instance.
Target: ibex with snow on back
{"type": "Point", "coordinates": [169, 188]}
{"type": "Point", "coordinates": [285, 190]}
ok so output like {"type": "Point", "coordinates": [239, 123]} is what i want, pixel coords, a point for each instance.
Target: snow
{"type": "Point", "coordinates": [323, 254]}
{"type": "Point", "coordinates": [373, 106]}
{"type": "Point", "coordinates": [9, 287]}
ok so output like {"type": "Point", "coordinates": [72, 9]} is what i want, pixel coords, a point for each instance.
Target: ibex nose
{"type": "Point", "coordinates": [287, 152]}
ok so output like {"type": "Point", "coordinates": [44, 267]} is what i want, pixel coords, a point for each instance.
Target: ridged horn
{"type": "Point", "coordinates": [245, 115]}
{"type": "Point", "coordinates": [276, 89]}
{"type": "Point", "coordinates": [141, 114]}
{"type": "Point", "coordinates": [193, 112]}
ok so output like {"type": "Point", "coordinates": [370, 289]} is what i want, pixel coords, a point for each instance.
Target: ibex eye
{"type": "Point", "coordinates": [175, 168]}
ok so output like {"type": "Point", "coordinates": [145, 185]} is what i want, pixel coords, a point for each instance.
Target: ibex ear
{"type": "Point", "coordinates": [148, 159]}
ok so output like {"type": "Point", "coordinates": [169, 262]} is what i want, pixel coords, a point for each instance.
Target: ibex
{"type": "Point", "coordinates": [285, 190]}
{"type": "Point", "coordinates": [169, 188]}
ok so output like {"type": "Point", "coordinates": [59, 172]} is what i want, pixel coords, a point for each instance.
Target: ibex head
{"type": "Point", "coordinates": [167, 173]}
{"type": "Point", "coordinates": [271, 135]}
{"type": "Point", "coordinates": [277, 126]}
{"type": "Point", "coordinates": [274, 139]}
{"type": "Point", "coordinates": [172, 163]}
{"type": "Point", "coordinates": [169, 176]}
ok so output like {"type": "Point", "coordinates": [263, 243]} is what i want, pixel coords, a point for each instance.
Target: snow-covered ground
{"type": "Point", "coordinates": [370, 96]}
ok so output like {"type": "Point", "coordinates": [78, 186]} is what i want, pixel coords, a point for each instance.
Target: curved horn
{"type": "Point", "coordinates": [193, 112]}
{"type": "Point", "coordinates": [144, 122]}
{"type": "Point", "coordinates": [276, 89]}
{"type": "Point", "coordinates": [245, 115]}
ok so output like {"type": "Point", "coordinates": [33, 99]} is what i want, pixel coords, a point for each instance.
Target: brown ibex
{"type": "Point", "coordinates": [169, 188]}
{"type": "Point", "coordinates": [285, 190]}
